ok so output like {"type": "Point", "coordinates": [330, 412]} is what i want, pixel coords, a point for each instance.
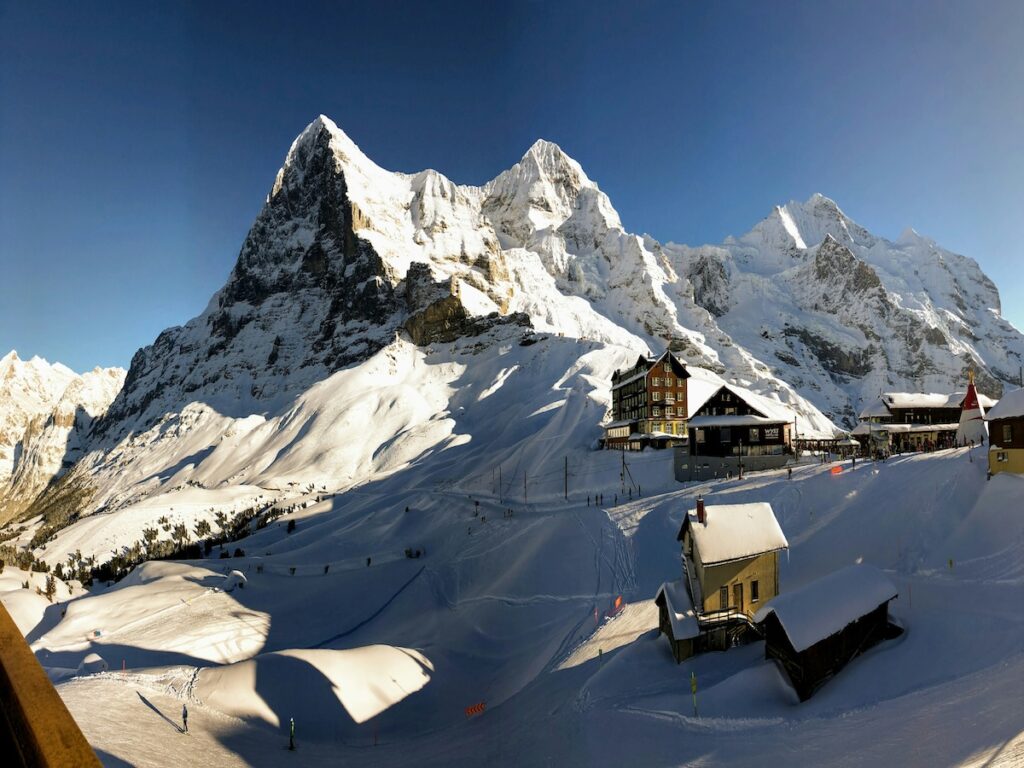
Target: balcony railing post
{"type": "Point", "coordinates": [35, 720]}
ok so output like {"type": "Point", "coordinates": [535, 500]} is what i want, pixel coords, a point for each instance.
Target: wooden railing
{"type": "Point", "coordinates": [36, 729]}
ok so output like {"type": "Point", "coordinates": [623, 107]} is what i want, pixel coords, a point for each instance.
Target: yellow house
{"type": "Point", "coordinates": [1006, 434]}
{"type": "Point", "coordinates": [731, 559]}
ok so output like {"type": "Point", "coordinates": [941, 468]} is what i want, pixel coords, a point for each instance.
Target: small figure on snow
{"type": "Point", "coordinates": [291, 733]}
{"type": "Point", "coordinates": [184, 718]}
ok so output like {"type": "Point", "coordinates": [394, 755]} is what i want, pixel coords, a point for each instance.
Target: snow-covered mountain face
{"type": "Point", "coordinates": [46, 412]}
{"type": "Point", "coordinates": [842, 314]}
{"type": "Point", "coordinates": [27, 389]}
{"type": "Point", "coordinates": [345, 254]}
{"type": "Point", "coordinates": [300, 371]}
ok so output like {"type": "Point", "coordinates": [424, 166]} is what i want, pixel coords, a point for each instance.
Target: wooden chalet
{"type": "Point", "coordinates": [730, 568]}
{"type": "Point", "coordinates": [1006, 434]}
{"type": "Point", "coordinates": [648, 404]}
{"type": "Point", "coordinates": [732, 428]}
{"type": "Point", "coordinates": [815, 631]}
{"type": "Point", "coordinates": [911, 421]}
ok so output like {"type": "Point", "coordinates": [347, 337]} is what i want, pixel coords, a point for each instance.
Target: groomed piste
{"type": "Point", "coordinates": [389, 663]}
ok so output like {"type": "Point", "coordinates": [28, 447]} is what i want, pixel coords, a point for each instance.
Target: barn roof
{"type": "Point", "coordinates": [883, 405]}
{"type": "Point", "coordinates": [647, 363]}
{"type": "Point", "coordinates": [701, 387]}
{"type": "Point", "coordinates": [735, 531]}
{"type": "Point", "coordinates": [680, 609]}
{"type": "Point", "coordinates": [826, 606]}
{"type": "Point", "coordinates": [733, 421]}
{"type": "Point", "coordinates": [1011, 406]}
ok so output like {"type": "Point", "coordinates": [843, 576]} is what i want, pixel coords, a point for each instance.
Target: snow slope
{"type": "Point", "coordinates": [508, 612]}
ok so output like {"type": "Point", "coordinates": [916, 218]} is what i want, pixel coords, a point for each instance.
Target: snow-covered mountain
{"type": "Point", "coordinates": [842, 314]}
{"type": "Point", "coordinates": [27, 389]}
{"type": "Point", "coordinates": [346, 254]}
{"type": "Point", "coordinates": [366, 306]}
{"type": "Point", "coordinates": [46, 411]}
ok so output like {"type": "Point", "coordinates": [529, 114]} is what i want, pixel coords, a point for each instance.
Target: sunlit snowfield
{"type": "Point", "coordinates": [377, 664]}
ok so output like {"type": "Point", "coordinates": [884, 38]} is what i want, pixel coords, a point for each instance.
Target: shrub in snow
{"type": "Point", "coordinates": [232, 580]}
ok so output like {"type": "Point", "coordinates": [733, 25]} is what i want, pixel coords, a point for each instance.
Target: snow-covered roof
{"type": "Point", "coordinates": [1010, 406]}
{"type": "Point", "coordinates": [772, 409]}
{"type": "Point", "coordinates": [876, 409]}
{"type": "Point", "coordinates": [680, 609]}
{"type": "Point", "coordinates": [864, 428]}
{"type": "Point", "coordinates": [928, 400]}
{"type": "Point", "coordinates": [736, 531]}
{"type": "Point", "coordinates": [733, 421]}
{"type": "Point", "coordinates": [824, 607]}
{"type": "Point", "coordinates": [655, 436]}
{"type": "Point", "coordinates": [651, 362]}
{"type": "Point", "coordinates": [701, 387]}
{"type": "Point", "coordinates": [620, 423]}
{"type": "Point", "coordinates": [631, 379]}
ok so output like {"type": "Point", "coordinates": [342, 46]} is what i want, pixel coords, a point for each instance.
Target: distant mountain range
{"type": "Point", "coordinates": [348, 263]}
{"type": "Point", "coordinates": [46, 412]}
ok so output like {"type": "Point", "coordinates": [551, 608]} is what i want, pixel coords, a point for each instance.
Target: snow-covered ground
{"type": "Point", "coordinates": [378, 663]}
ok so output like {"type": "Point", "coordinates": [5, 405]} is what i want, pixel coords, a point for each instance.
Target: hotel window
{"type": "Point", "coordinates": [1001, 456]}
{"type": "Point", "coordinates": [1007, 433]}
{"type": "Point", "coordinates": [657, 411]}
{"type": "Point", "coordinates": [669, 381]}
{"type": "Point", "coordinates": [753, 435]}
{"type": "Point", "coordinates": [656, 395]}
{"type": "Point", "coordinates": [754, 596]}
{"type": "Point", "coordinates": [668, 367]}
{"type": "Point", "coordinates": [656, 381]}
{"type": "Point", "coordinates": [723, 598]}
{"type": "Point", "coordinates": [670, 411]}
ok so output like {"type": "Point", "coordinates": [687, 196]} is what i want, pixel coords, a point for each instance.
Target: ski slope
{"type": "Point", "coordinates": [516, 613]}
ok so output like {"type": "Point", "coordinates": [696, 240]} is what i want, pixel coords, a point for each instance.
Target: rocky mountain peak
{"type": "Point", "coordinates": [549, 158]}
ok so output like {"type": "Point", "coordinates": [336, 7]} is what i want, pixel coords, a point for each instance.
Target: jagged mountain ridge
{"type": "Point", "coordinates": [843, 314]}
{"type": "Point", "coordinates": [345, 257]}
{"type": "Point", "coordinates": [46, 413]}
{"type": "Point", "coordinates": [346, 254]}
{"type": "Point", "coordinates": [332, 254]}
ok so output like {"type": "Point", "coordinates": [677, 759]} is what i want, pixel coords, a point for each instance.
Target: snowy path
{"type": "Point", "coordinates": [504, 615]}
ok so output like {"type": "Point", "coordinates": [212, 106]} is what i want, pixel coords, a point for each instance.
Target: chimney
{"type": "Point", "coordinates": [701, 516]}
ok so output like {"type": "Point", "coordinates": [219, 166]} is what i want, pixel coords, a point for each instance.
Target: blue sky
{"type": "Point", "coordinates": [138, 141]}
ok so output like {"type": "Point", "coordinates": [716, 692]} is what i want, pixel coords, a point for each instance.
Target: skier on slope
{"type": "Point", "coordinates": [184, 718]}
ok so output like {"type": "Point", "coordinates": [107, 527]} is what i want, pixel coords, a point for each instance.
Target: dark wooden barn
{"type": "Point", "coordinates": [676, 619]}
{"type": "Point", "coordinates": [815, 631]}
